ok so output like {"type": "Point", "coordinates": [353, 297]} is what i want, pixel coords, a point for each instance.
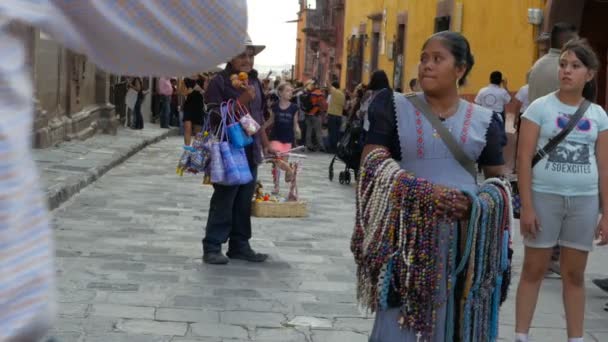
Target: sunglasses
{"type": "Point", "coordinates": [583, 125]}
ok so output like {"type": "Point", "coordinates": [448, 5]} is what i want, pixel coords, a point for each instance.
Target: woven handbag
{"type": "Point", "coordinates": [242, 165]}
{"type": "Point", "coordinates": [234, 130]}
{"type": "Point", "coordinates": [250, 126]}
{"type": "Point", "coordinates": [216, 167]}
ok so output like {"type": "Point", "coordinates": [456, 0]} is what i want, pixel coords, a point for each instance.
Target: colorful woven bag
{"type": "Point", "coordinates": [242, 165]}
{"type": "Point", "coordinates": [217, 171]}
{"type": "Point", "coordinates": [250, 126]}
{"type": "Point", "coordinates": [234, 130]}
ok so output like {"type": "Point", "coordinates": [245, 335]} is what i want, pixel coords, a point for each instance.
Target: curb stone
{"type": "Point", "coordinates": [57, 195]}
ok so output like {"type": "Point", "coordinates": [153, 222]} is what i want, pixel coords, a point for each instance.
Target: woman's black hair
{"type": "Point", "coordinates": [585, 53]}
{"type": "Point", "coordinates": [459, 47]}
{"type": "Point", "coordinates": [189, 83]}
{"type": "Point", "coordinates": [379, 81]}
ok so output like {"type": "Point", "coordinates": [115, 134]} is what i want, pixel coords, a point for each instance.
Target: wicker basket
{"type": "Point", "coordinates": [283, 209]}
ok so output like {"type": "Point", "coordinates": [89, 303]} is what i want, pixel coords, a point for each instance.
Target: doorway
{"type": "Point", "coordinates": [594, 14]}
{"type": "Point", "coordinates": [375, 52]}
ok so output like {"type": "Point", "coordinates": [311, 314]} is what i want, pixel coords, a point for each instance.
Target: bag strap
{"type": "Point", "coordinates": [556, 140]}
{"type": "Point", "coordinates": [446, 136]}
{"type": "Point", "coordinates": [221, 129]}
{"type": "Point", "coordinates": [230, 116]}
{"type": "Point", "coordinates": [243, 110]}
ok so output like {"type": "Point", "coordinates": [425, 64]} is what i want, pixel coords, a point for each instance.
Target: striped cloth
{"type": "Point", "coordinates": [135, 37]}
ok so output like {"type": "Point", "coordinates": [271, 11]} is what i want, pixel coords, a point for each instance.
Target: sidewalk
{"type": "Point", "coordinates": [70, 166]}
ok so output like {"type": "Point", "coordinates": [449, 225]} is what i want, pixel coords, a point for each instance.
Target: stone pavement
{"type": "Point", "coordinates": [129, 267]}
{"type": "Point", "coordinates": [70, 166]}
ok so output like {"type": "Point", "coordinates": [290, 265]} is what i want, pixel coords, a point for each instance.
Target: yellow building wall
{"type": "Point", "coordinates": [421, 14]}
{"type": "Point", "coordinates": [501, 39]}
{"type": "Point", "coordinates": [420, 26]}
{"type": "Point", "coordinates": [301, 48]}
{"type": "Point", "coordinates": [355, 13]}
{"type": "Point", "coordinates": [498, 30]}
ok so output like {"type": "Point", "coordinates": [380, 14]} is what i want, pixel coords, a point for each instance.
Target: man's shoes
{"type": "Point", "coordinates": [606, 307]}
{"type": "Point", "coordinates": [602, 284]}
{"type": "Point", "coordinates": [215, 258]}
{"type": "Point", "coordinates": [554, 267]}
{"type": "Point", "coordinates": [247, 255]}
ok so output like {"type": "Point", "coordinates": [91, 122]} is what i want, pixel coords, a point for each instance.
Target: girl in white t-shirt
{"type": "Point", "coordinates": [559, 195]}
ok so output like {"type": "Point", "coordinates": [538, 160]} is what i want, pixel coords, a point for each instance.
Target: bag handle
{"type": "Point", "coordinates": [230, 118]}
{"type": "Point", "coordinates": [242, 108]}
{"type": "Point", "coordinates": [556, 140]}
{"type": "Point", "coordinates": [221, 129]}
{"type": "Point", "coordinates": [446, 136]}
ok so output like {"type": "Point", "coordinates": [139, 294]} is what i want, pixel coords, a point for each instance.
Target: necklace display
{"type": "Point", "coordinates": [397, 243]}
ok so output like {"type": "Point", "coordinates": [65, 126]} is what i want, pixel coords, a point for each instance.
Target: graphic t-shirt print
{"type": "Point", "coordinates": [569, 156]}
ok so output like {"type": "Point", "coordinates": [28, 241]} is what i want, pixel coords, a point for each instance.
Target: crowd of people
{"type": "Point", "coordinates": [424, 177]}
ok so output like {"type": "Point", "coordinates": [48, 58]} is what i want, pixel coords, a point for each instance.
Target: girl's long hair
{"type": "Point", "coordinates": [584, 52]}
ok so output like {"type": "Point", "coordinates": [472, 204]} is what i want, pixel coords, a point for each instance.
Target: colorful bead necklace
{"type": "Point", "coordinates": [396, 244]}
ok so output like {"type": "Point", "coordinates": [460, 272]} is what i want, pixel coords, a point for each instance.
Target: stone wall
{"type": "Point", "coordinates": [71, 94]}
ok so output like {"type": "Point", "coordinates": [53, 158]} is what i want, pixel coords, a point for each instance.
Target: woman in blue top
{"type": "Point", "coordinates": [559, 196]}
{"type": "Point", "coordinates": [284, 123]}
{"type": "Point", "coordinates": [399, 128]}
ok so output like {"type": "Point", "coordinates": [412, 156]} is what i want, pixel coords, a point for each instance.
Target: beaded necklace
{"type": "Point", "coordinates": [396, 244]}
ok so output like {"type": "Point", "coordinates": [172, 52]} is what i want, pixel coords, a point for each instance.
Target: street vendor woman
{"type": "Point", "coordinates": [230, 208]}
{"type": "Point", "coordinates": [415, 201]}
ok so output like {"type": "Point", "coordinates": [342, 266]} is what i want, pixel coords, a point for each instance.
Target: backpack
{"type": "Point", "coordinates": [306, 102]}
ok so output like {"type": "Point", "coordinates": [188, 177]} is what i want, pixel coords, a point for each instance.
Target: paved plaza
{"type": "Point", "coordinates": [129, 265]}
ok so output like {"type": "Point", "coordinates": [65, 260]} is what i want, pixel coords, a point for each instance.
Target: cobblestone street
{"type": "Point", "coordinates": [129, 265]}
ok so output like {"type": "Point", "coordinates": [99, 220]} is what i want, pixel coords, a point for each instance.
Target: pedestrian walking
{"type": "Point", "coordinates": [140, 33]}
{"type": "Point", "coordinates": [313, 102]}
{"type": "Point", "coordinates": [174, 117]}
{"type": "Point", "coordinates": [399, 128]}
{"type": "Point", "coordinates": [377, 83]}
{"type": "Point", "coordinates": [284, 128]}
{"type": "Point", "coordinates": [300, 99]}
{"type": "Point", "coordinates": [229, 218]}
{"type": "Point", "coordinates": [137, 85]}
{"type": "Point", "coordinates": [543, 74]}
{"type": "Point", "coordinates": [559, 189]}
{"type": "Point", "coordinates": [194, 109]}
{"type": "Point", "coordinates": [521, 104]}
{"type": "Point", "coordinates": [335, 113]}
{"type": "Point", "coordinates": [495, 96]}
{"type": "Point", "coordinates": [544, 80]}
{"type": "Point", "coordinates": [165, 91]}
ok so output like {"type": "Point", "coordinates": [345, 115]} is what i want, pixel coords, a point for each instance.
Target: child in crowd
{"type": "Point", "coordinates": [284, 122]}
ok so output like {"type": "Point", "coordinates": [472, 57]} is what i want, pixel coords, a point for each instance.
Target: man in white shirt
{"type": "Point", "coordinates": [132, 37]}
{"type": "Point", "coordinates": [495, 96]}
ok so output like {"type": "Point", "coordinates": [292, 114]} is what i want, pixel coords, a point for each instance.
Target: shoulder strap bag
{"type": "Point", "coordinates": [553, 142]}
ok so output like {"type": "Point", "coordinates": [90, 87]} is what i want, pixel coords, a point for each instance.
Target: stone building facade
{"type": "Point", "coordinates": [320, 41]}
{"type": "Point", "coordinates": [71, 94]}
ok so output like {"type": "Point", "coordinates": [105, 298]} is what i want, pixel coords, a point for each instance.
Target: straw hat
{"type": "Point", "coordinates": [256, 48]}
